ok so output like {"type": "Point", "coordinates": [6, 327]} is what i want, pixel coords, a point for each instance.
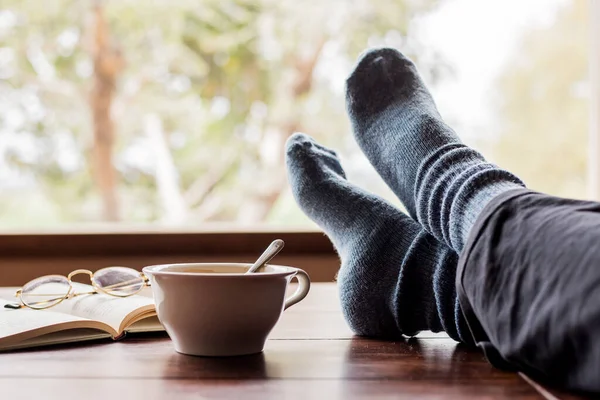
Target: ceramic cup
{"type": "Point", "coordinates": [217, 310]}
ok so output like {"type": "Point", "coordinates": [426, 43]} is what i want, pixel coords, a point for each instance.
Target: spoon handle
{"type": "Point", "coordinates": [271, 251]}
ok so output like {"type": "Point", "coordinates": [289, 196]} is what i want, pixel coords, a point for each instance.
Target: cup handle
{"type": "Point", "coordinates": [302, 290]}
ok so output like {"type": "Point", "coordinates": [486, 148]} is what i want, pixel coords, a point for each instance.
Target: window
{"type": "Point", "coordinates": [175, 113]}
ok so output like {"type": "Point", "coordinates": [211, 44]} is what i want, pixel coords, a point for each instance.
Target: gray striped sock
{"type": "Point", "coordinates": [443, 183]}
{"type": "Point", "coordinates": [395, 278]}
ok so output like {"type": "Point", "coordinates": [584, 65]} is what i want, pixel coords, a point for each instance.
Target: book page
{"type": "Point", "coordinates": [73, 335]}
{"type": "Point", "coordinates": [149, 324]}
{"type": "Point", "coordinates": [117, 312]}
{"type": "Point", "coordinates": [24, 319]}
{"type": "Point", "coordinates": [17, 327]}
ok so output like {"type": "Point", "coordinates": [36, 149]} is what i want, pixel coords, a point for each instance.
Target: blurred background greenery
{"type": "Point", "coordinates": [175, 113]}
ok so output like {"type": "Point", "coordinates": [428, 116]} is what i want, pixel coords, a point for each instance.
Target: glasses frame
{"type": "Point", "coordinates": [71, 293]}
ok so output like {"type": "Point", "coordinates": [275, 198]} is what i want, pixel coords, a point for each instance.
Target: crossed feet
{"type": "Point", "coordinates": [398, 271]}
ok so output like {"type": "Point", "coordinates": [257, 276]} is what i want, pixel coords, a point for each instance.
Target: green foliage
{"type": "Point", "coordinates": [228, 80]}
{"type": "Point", "coordinates": [544, 106]}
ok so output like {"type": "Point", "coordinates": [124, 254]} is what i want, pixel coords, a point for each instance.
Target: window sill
{"type": "Point", "coordinates": [24, 256]}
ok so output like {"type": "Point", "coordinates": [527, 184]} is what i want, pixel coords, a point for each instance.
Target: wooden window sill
{"type": "Point", "coordinates": [24, 256]}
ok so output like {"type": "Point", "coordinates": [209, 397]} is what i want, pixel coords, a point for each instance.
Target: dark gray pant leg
{"type": "Point", "coordinates": [529, 286]}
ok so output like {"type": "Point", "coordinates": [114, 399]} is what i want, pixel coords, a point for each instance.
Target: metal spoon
{"type": "Point", "coordinates": [271, 251]}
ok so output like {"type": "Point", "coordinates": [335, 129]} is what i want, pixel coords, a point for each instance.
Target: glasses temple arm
{"type": "Point", "coordinates": [124, 284]}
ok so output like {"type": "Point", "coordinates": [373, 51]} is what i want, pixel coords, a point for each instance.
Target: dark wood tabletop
{"type": "Point", "coordinates": [311, 353]}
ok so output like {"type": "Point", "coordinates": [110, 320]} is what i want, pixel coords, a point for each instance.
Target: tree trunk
{"type": "Point", "coordinates": [107, 64]}
{"type": "Point", "coordinates": [174, 209]}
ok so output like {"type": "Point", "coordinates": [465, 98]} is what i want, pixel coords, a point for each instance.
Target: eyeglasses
{"type": "Point", "coordinates": [50, 290]}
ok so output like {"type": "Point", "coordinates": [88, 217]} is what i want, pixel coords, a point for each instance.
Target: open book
{"type": "Point", "coordinates": [86, 317]}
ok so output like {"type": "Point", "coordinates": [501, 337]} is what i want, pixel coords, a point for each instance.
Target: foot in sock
{"type": "Point", "coordinates": [443, 183]}
{"type": "Point", "coordinates": [395, 278]}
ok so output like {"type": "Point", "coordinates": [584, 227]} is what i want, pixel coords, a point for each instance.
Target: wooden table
{"type": "Point", "coordinates": [311, 354]}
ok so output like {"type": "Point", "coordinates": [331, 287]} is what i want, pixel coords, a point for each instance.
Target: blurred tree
{"type": "Point", "coordinates": [108, 63]}
{"type": "Point", "coordinates": [543, 119]}
{"type": "Point", "coordinates": [180, 110]}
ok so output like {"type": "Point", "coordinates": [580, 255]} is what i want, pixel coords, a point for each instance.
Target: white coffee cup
{"type": "Point", "coordinates": [218, 310]}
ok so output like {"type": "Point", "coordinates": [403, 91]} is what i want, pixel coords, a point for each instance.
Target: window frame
{"type": "Point", "coordinates": [24, 256]}
{"type": "Point", "coordinates": [594, 85]}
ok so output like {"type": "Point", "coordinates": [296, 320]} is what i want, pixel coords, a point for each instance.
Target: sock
{"type": "Point", "coordinates": [395, 278]}
{"type": "Point", "coordinates": [443, 183]}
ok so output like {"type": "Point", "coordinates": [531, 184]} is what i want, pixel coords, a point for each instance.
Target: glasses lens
{"type": "Point", "coordinates": [119, 281]}
{"type": "Point", "coordinates": [45, 292]}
